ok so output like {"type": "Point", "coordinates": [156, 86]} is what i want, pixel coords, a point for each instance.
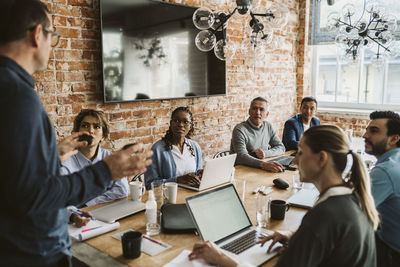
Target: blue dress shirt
{"type": "Point", "coordinates": [385, 178]}
{"type": "Point", "coordinates": [115, 190]}
{"type": "Point", "coordinates": [33, 195]}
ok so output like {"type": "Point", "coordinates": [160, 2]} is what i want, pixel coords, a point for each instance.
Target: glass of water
{"type": "Point", "coordinates": [297, 184]}
{"type": "Point", "coordinates": [262, 210]}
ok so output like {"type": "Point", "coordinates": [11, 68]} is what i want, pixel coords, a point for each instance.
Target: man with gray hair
{"type": "Point", "coordinates": [255, 139]}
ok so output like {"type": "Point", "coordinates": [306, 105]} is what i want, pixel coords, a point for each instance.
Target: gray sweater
{"type": "Point", "coordinates": [247, 137]}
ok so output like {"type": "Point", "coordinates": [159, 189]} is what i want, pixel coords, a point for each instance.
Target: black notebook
{"type": "Point", "coordinates": [176, 219]}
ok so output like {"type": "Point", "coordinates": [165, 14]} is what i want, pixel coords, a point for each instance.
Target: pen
{"type": "Point", "coordinates": [155, 241]}
{"type": "Point", "coordinates": [89, 229]}
{"type": "Point", "coordinates": [80, 213]}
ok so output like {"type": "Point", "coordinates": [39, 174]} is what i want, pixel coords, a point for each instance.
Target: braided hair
{"type": "Point", "coordinates": [168, 137]}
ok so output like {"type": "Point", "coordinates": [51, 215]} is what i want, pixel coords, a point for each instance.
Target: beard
{"type": "Point", "coordinates": [378, 148]}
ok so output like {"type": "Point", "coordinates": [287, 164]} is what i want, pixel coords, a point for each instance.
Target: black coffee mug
{"type": "Point", "coordinates": [278, 209]}
{"type": "Point", "coordinates": [131, 244]}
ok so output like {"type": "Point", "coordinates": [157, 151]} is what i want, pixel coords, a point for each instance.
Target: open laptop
{"type": "Point", "coordinates": [118, 210]}
{"type": "Point", "coordinates": [305, 197]}
{"type": "Point", "coordinates": [220, 217]}
{"type": "Point", "coordinates": [216, 172]}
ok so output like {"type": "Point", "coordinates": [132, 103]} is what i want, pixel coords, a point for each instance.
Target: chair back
{"type": "Point", "coordinates": [221, 154]}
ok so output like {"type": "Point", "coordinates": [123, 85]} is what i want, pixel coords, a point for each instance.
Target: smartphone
{"type": "Point", "coordinates": [87, 138]}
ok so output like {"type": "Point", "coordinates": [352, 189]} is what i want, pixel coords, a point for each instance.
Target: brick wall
{"type": "Point", "coordinates": [74, 81]}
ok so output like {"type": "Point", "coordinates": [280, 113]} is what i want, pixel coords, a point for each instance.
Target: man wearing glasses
{"type": "Point", "coordinates": [34, 195]}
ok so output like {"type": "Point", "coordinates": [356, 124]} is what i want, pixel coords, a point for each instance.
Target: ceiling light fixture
{"type": "Point", "coordinates": [372, 30]}
{"type": "Point", "coordinates": [213, 25]}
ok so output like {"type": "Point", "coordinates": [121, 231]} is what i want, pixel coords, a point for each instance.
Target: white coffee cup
{"type": "Point", "coordinates": [170, 192]}
{"type": "Point", "coordinates": [137, 190]}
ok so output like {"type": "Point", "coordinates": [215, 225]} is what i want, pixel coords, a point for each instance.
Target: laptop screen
{"type": "Point", "coordinates": [218, 213]}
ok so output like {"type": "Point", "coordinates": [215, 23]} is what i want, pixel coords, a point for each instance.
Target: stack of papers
{"type": "Point", "coordinates": [92, 229]}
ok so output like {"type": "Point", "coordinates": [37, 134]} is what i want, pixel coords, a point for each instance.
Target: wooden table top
{"type": "Point", "coordinates": [254, 178]}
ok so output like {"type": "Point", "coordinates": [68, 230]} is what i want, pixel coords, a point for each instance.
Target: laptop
{"type": "Point", "coordinates": [216, 172]}
{"type": "Point", "coordinates": [118, 210]}
{"type": "Point", "coordinates": [220, 217]}
{"type": "Point", "coordinates": [305, 197]}
{"type": "Point", "coordinates": [286, 162]}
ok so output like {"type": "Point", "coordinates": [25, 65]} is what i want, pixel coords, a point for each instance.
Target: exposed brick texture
{"type": "Point", "coordinates": [73, 81]}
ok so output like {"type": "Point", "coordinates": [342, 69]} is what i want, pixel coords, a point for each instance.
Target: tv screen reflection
{"type": "Point", "coordinates": [149, 53]}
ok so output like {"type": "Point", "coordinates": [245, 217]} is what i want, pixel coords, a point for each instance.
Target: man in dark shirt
{"type": "Point", "coordinates": [33, 196]}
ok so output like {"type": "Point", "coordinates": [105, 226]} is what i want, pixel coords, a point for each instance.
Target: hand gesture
{"type": "Point", "coordinates": [272, 166]}
{"type": "Point", "coordinates": [68, 146]}
{"type": "Point", "coordinates": [128, 162]}
{"type": "Point", "coordinates": [259, 153]}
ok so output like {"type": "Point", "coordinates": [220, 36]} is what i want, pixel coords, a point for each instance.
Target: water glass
{"type": "Point", "coordinates": [262, 210]}
{"type": "Point", "coordinates": [157, 187]}
{"type": "Point", "coordinates": [297, 184]}
{"type": "Point", "coordinates": [153, 228]}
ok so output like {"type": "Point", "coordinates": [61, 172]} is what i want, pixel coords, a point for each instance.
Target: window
{"type": "Point", "coordinates": [365, 84]}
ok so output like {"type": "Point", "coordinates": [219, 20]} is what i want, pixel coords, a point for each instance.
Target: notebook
{"type": "Point", "coordinates": [118, 210]}
{"type": "Point", "coordinates": [220, 217]}
{"type": "Point", "coordinates": [92, 229]}
{"type": "Point", "coordinates": [305, 197]}
{"type": "Point", "coordinates": [216, 172]}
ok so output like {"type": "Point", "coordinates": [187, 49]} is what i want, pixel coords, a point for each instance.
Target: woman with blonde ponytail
{"type": "Point", "coordinates": [339, 229]}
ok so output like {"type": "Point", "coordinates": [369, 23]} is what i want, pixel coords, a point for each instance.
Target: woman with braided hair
{"type": "Point", "coordinates": [176, 157]}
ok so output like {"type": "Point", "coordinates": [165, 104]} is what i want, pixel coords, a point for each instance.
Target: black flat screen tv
{"type": "Point", "coordinates": [149, 52]}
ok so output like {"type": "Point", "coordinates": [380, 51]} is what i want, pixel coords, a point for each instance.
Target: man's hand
{"type": "Point", "coordinates": [68, 146]}
{"type": "Point", "coordinates": [272, 166]}
{"type": "Point", "coordinates": [80, 220]}
{"type": "Point", "coordinates": [128, 162]}
{"type": "Point", "coordinates": [259, 153]}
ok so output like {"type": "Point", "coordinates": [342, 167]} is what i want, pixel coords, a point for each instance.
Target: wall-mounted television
{"type": "Point", "coordinates": [149, 53]}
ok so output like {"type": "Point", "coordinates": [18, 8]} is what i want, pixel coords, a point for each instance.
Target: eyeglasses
{"type": "Point", "coordinates": [178, 121]}
{"type": "Point", "coordinates": [55, 37]}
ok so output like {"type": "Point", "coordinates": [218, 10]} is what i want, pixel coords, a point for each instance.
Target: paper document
{"type": "Point", "coordinates": [92, 229]}
{"type": "Point", "coordinates": [182, 260]}
{"type": "Point", "coordinates": [150, 245]}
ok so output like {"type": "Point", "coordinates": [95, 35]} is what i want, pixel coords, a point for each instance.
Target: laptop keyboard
{"type": "Point", "coordinates": [242, 243]}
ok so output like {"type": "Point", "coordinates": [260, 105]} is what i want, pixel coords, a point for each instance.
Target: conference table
{"type": "Point", "coordinates": [254, 178]}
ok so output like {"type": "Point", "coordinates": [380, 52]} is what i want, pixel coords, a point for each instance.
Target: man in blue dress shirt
{"type": "Point", "coordinates": [296, 125]}
{"type": "Point", "coordinates": [33, 195]}
{"type": "Point", "coordinates": [382, 139]}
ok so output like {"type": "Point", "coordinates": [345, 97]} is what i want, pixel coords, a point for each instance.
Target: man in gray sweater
{"type": "Point", "coordinates": [255, 139]}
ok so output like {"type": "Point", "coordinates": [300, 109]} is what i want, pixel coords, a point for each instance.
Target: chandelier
{"type": "Point", "coordinates": [213, 25]}
{"type": "Point", "coordinates": [372, 30]}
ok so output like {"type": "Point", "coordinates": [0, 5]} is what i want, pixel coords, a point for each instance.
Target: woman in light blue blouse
{"type": "Point", "coordinates": [96, 125]}
{"type": "Point", "coordinates": [176, 158]}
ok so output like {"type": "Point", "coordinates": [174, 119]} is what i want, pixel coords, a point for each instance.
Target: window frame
{"type": "Point", "coordinates": [327, 38]}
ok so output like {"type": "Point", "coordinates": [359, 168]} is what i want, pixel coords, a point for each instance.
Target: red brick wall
{"type": "Point", "coordinates": [74, 81]}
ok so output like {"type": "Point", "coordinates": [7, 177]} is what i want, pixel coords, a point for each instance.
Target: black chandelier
{"type": "Point", "coordinates": [213, 25]}
{"type": "Point", "coordinates": [372, 30]}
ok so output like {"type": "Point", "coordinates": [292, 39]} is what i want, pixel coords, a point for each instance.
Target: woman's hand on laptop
{"type": "Point", "coordinates": [209, 252]}
{"type": "Point", "coordinates": [275, 237]}
{"type": "Point", "coordinates": [189, 178]}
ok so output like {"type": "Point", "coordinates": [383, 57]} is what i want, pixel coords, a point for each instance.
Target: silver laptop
{"type": "Point", "coordinates": [305, 197]}
{"type": "Point", "coordinates": [216, 172]}
{"type": "Point", "coordinates": [118, 210]}
{"type": "Point", "coordinates": [220, 217]}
